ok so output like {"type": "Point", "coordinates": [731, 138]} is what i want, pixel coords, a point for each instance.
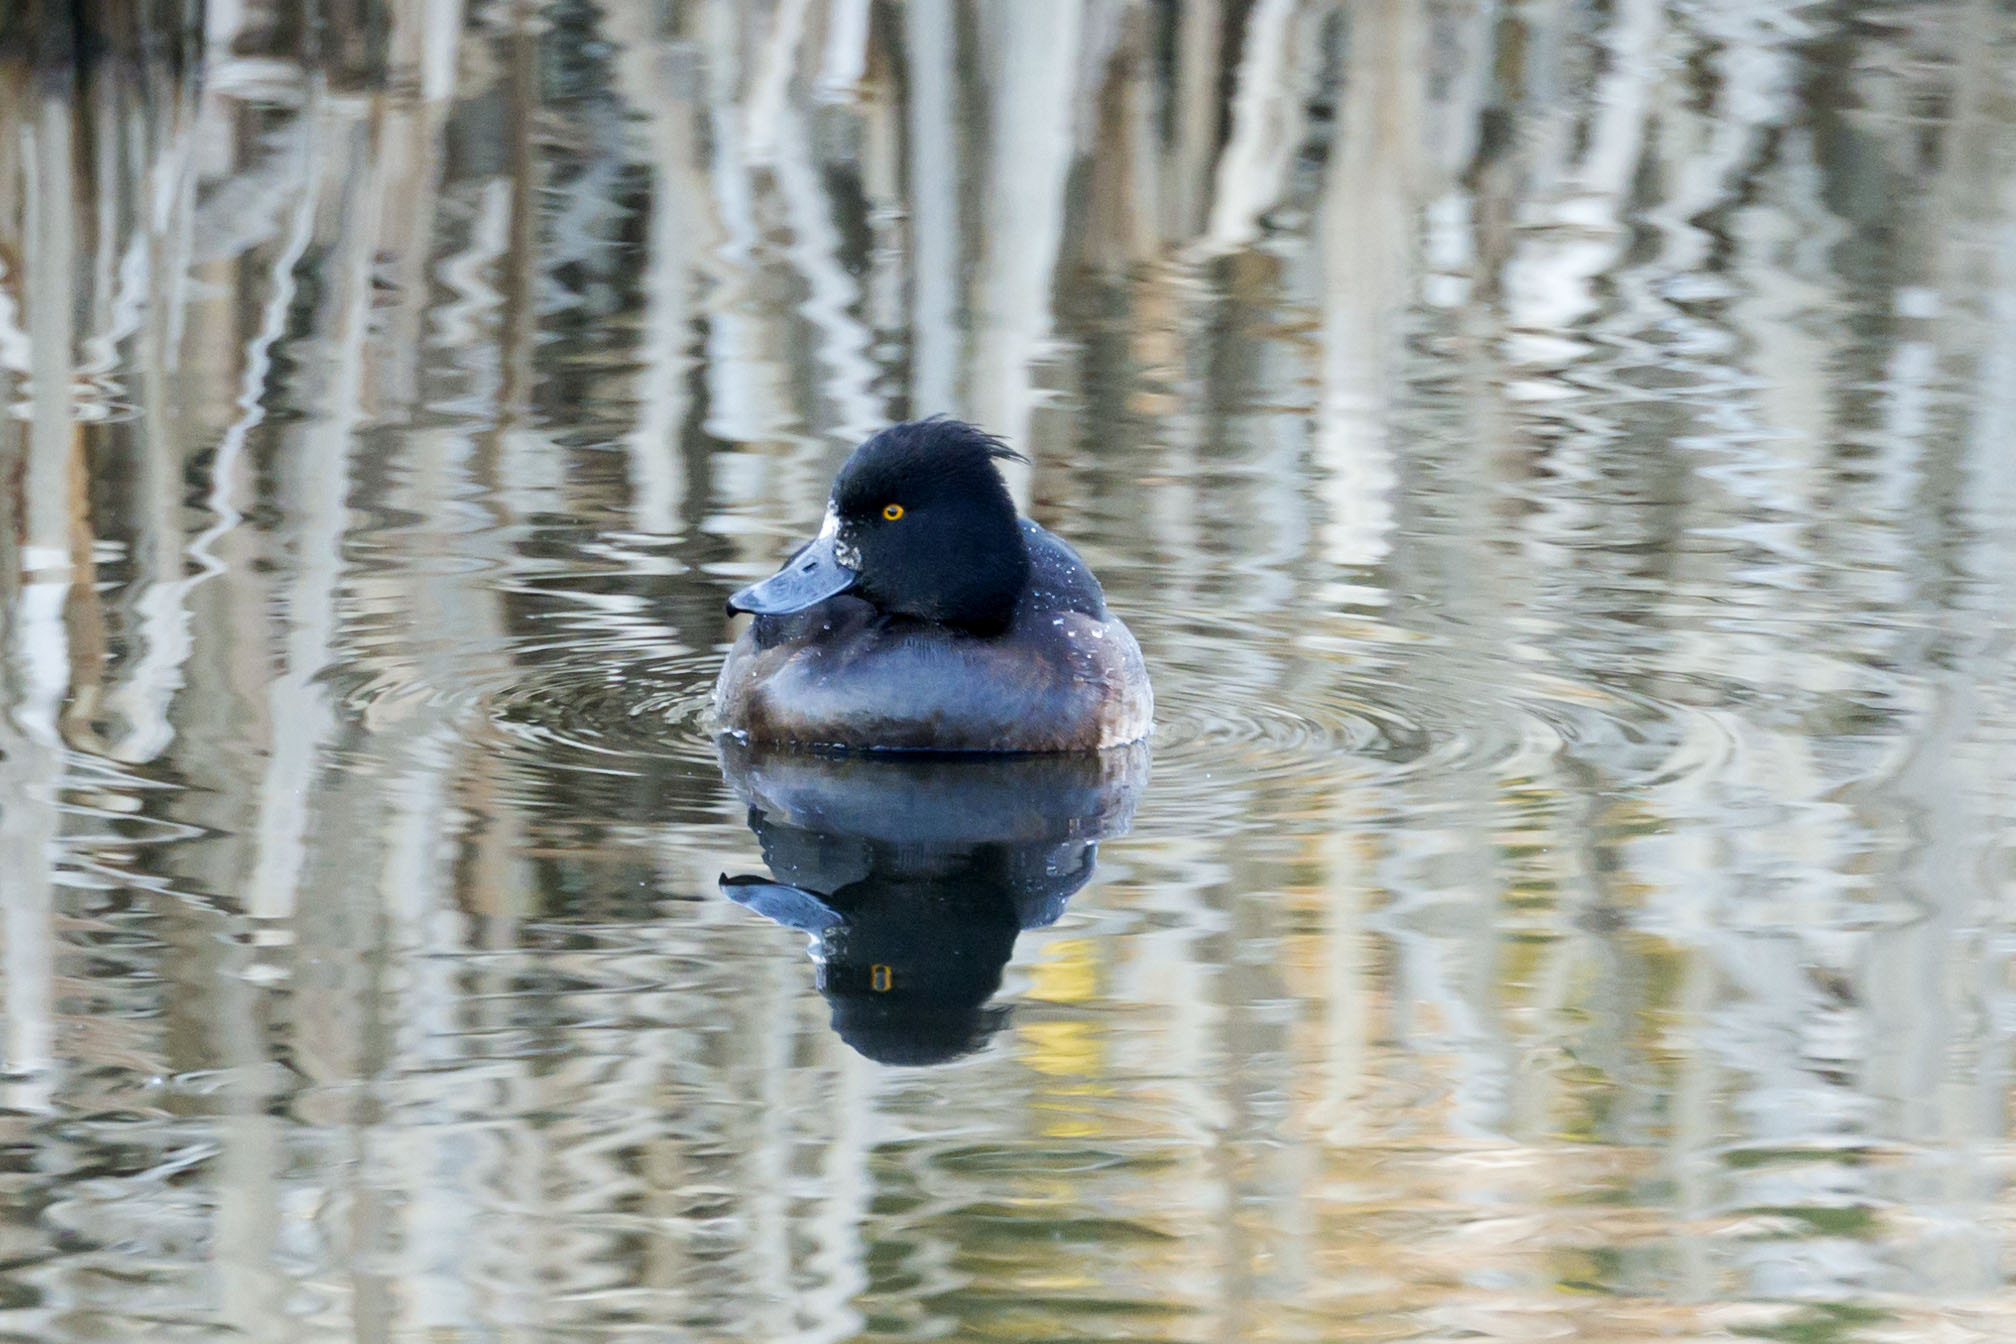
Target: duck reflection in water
{"type": "Point", "coordinates": [913, 876]}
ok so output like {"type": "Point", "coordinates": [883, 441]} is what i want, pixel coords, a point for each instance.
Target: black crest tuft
{"type": "Point", "coordinates": [918, 460]}
{"type": "Point", "coordinates": [972, 435]}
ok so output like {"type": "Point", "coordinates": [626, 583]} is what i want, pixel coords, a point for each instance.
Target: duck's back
{"type": "Point", "coordinates": [1064, 676]}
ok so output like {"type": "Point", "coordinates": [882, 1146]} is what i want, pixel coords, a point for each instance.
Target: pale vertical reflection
{"type": "Point", "coordinates": [227, 468]}
{"type": "Point", "coordinates": [1988, 469]}
{"type": "Point", "coordinates": [1935, 779]}
{"type": "Point", "coordinates": [841, 341]}
{"type": "Point", "coordinates": [844, 58]}
{"type": "Point", "coordinates": [1371, 193]}
{"type": "Point", "coordinates": [1949, 776]}
{"type": "Point", "coordinates": [1336, 1116]}
{"type": "Point", "coordinates": [1788, 276]}
{"type": "Point", "coordinates": [844, 1193]}
{"type": "Point", "coordinates": [1583, 186]}
{"type": "Point", "coordinates": [1718, 139]}
{"type": "Point", "coordinates": [1119, 144]}
{"type": "Point", "coordinates": [51, 248]}
{"type": "Point", "coordinates": [443, 1231]}
{"type": "Point", "coordinates": [222, 22]}
{"type": "Point", "coordinates": [297, 701]}
{"type": "Point", "coordinates": [422, 45]}
{"type": "Point", "coordinates": [767, 97]}
{"type": "Point", "coordinates": [37, 644]}
{"type": "Point", "coordinates": [524, 178]}
{"type": "Point", "coordinates": [767, 1252]}
{"type": "Point", "coordinates": [659, 81]}
{"type": "Point", "coordinates": [16, 350]}
{"type": "Point", "coordinates": [451, 624]}
{"type": "Point", "coordinates": [747, 399]}
{"type": "Point", "coordinates": [936, 343]}
{"type": "Point", "coordinates": [1987, 477]}
{"type": "Point", "coordinates": [1269, 115]}
{"type": "Point", "coordinates": [250, 1143]}
{"type": "Point", "coordinates": [1195, 110]}
{"type": "Point", "coordinates": [880, 161]}
{"type": "Point", "coordinates": [410, 162]}
{"type": "Point", "coordinates": [1029, 160]}
{"type": "Point", "coordinates": [142, 698]}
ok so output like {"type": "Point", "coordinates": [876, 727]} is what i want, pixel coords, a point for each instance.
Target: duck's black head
{"type": "Point", "coordinates": [919, 523]}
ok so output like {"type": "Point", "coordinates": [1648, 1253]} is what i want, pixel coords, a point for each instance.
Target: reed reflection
{"type": "Point", "coordinates": [913, 877]}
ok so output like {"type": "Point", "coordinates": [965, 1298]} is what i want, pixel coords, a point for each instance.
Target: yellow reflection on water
{"type": "Point", "coordinates": [1067, 972]}
{"type": "Point", "coordinates": [1061, 1049]}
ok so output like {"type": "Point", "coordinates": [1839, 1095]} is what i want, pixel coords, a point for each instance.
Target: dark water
{"type": "Point", "coordinates": [1560, 460]}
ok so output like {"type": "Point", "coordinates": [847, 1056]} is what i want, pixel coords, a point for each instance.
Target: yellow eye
{"type": "Point", "coordinates": [892, 511]}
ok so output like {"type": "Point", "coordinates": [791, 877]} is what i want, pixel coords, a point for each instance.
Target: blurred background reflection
{"type": "Point", "coordinates": [1559, 458]}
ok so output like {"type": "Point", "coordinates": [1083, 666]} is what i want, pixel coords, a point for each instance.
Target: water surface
{"type": "Point", "coordinates": [1559, 460]}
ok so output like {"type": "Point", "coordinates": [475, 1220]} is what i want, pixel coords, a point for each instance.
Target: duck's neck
{"type": "Point", "coordinates": [980, 591]}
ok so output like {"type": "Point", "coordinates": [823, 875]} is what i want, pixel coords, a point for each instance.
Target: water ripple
{"type": "Point", "coordinates": [594, 712]}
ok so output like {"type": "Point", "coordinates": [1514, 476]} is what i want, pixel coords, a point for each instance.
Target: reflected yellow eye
{"type": "Point", "coordinates": [892, 511]}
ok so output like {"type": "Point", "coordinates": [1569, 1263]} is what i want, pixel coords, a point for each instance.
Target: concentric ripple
{"type": "Point", "coordinates": [1303, 714]}
{"type": "Point", "coordinates": [600, 714]}
{"type": "Point", "coordinates": [1192, 723]}
{"type": "Point", "coordinates": [1361, 708]}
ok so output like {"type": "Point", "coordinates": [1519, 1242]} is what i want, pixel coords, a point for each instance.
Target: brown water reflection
{"type": "Point", "coordinates": [1557, 459]}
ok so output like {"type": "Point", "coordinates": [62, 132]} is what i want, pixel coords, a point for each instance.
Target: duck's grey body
{"type": "Point", "coordinates": [1064, 675]}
